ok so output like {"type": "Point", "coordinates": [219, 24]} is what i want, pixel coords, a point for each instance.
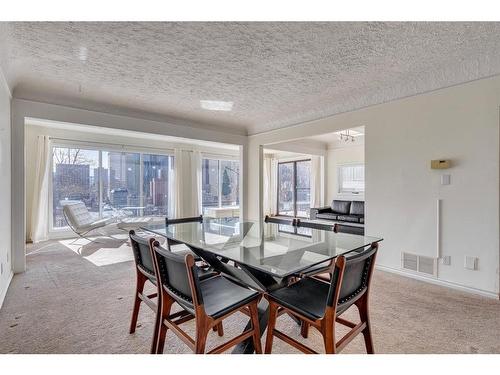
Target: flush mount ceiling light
{"type": "Point", "coordinates": [216, 105]}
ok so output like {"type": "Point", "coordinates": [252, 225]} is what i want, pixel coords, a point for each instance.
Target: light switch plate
{"type": "Point", "coordinates": [471, 263]}
{"type": "Point", "coordinates": [445, 179]}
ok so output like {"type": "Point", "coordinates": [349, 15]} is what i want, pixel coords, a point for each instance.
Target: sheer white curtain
{"type": "Point", "coordinates": [187, 183]}
{"type": "Point", "coordinates": [270, 185]}
{"type": "Point", "coordinates": [315, 181]}
{"type": "Point", "coordinates": [40, 204]}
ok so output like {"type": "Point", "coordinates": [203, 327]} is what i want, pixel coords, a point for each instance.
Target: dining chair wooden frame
{"type": "Point", "coordinates": [326, 324]}
{"type": "Point", "coordinates": [204, 323]}
{"type": "Point", "coordinates": [143, 275]}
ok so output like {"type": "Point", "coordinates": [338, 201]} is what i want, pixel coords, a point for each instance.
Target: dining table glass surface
{"type": "Point", "coordinates": [277, 249]}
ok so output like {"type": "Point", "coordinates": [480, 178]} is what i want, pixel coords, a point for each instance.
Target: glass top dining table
{"type": "Point", "coordinates": [264, 255]}
{"type": "Point", "coordinates": [276, 249]}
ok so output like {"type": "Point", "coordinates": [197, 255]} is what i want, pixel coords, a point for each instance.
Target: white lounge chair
{"type": "Point", "coordinates": [80, 221]}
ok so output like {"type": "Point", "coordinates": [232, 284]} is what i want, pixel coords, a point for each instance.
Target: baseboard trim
{"type": "Point", "coordinates": [435, 281]}
{"type": "Point", "coordinates": [3, 293]}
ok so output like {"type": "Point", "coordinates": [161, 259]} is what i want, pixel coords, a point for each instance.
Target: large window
{"type": "Point", "coordinates": [351, 179]}
{"type": "Point", "coordinates": [220, 183]}
{"type": "Point", "coordinates": [294, 191]}
{"type": "Point", "coordinates": [110, 183]}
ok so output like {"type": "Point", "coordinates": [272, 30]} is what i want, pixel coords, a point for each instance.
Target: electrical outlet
{"type": "Point", "coordinates": [471, 263]}
{"type": "Point", "coordinates": [447, 260]}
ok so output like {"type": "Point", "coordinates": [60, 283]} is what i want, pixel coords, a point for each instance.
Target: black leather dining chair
{"type": "Point", "coordinates": [208, 302]}
{"type": "Point", "coordinates": [349, 229]}
{"type": "Point", "coordinates": [184, 249]}
{"type": "Point", "coordinates": [145, 272]}
{"type": "Point", "coordinates": [314, 225]}
{"type": "Point", "coordinates": [321, 304]}
{"type": "Point", "coordinates": [198, 219]}
{"type": "Point", "coordinates": [279, 220]}
{"type": "Point", "coordinates": [322, 271]}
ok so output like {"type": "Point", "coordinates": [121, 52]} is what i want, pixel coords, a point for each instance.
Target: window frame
{"type": "Point", "coordinates": [340, 191]}
{"type": "Point", "coordinates": [294, 162]}
{"type": "Point", "coordinates": [100, 148]}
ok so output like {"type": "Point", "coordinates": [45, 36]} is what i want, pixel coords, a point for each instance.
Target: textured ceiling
{"type": "Point", "coordinates": [277, 74]}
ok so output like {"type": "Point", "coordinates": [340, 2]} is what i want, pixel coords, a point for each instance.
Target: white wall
{"type": "Point", "coordinates": [302, 146]}
{"type": "Point", "coordinates": [338, 156]}
{"type": "Point", "coordinates": [23, 109]}
{"type": "Point", "coordinates": [460, 123]}
{"type": "Point", "coordinates": [5, 189]}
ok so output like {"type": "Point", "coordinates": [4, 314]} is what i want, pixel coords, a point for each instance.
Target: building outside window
{"type": "Point", "coordinates": [220, 183]}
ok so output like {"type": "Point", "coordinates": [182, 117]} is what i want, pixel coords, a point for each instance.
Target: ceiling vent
{"type": "Point", "coordinates": [419, 263]}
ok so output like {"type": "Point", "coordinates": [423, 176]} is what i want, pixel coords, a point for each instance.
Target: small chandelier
{"type": "Point", "coordinates": [346, 136]}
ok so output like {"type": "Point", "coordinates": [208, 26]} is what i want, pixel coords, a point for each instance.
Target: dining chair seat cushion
{"type": "Point", "coordinates": [307, 297]}
{"type": "Point", "coordinates": [221, 296]}
{"type": "Point", "coordinates": [207, 273]}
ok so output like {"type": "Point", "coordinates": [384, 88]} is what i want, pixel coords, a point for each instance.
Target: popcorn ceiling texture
{"type": "Point", "coordinates": [277, 74]}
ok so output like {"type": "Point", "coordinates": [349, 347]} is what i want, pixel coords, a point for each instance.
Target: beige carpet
{"type": "Point", "coordinates": [78, 299]}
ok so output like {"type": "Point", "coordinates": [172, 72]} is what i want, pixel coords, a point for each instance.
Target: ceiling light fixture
{"type": "Point", "coordinates": [346, 136]}
{"type": "Point", "coordinates": [216, 105]}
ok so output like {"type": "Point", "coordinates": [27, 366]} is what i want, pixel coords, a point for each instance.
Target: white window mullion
{"type": "Point", "coordinates": [51, 192]}
{"type": "Point", "coordinates": [100, 177]}
{"type": "Point", "coordinates": [220, 182]}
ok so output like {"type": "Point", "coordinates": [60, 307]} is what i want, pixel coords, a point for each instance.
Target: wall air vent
{"type": "Point", "coordinates": [409, 261]}
{"type": "Point", "coordinates": [419, 263]}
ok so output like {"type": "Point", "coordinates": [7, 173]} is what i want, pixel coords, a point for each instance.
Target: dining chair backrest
{"type": "Point", "coordinates": [178, 275]}
{"type": "Point", "coordinates": [314, 225]}
{"type": "Point", "coordinates": [351, 277]}
{"type": "Point", "coordinates": [278, 220]}
{"type": "Point", "coordinates": [350, 229]}
{"type": "Point", "coordinates": [197, 219]}
{"type": "Point", "coordinates": [142, 253]}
